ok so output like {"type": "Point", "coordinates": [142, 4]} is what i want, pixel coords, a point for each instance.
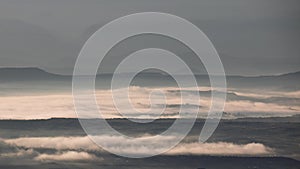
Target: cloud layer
{"type": "Point", "coordinates": [238, 104]}
{"type": "Point", "coordinates": [72, 147]}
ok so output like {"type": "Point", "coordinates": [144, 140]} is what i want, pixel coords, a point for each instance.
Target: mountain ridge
{"type": "Point", "coordinates": [284, 82]}
{"type": "Point", "coordinates": [39, 71]}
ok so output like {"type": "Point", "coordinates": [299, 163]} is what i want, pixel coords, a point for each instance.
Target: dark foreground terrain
{"type": "Point", "coordinates": [280, 134]}
{"type": "Point", "coordinates": [174, 162]}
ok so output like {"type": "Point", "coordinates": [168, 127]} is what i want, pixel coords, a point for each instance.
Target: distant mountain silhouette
{"type": "Point", "coordinates": [38, 73]}
{"type": "Point", "coordinates": [29, 73]}
{"type": "Point", "coordinates": [289, 81]}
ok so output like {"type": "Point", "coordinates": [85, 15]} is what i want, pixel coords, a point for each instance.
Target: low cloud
{"type": "Point", "coordinates": [19, 153]}
{"type": "Point", "coordinates": [221, 148]}
{"type": "Point", "coordinates": [59, 143]}
{"type": "Point", "coordinates": [67, 156]}
{"type": "Point", "coordinates": [61, 105]}
{"type": "Point", "coordinates": [120, 144]}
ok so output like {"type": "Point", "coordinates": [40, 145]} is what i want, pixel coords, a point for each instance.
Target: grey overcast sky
{"type": "Point", "coordinates": [253, 37]}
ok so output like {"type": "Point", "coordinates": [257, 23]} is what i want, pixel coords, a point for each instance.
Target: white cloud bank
{"type": "Point", "coordinates": [73, 144]}
{"type": "Point", "coordinates": [67, 156]}
{"type": "Point", "coordinates": [61, 105]}
{"type": "Point", "coordinates": [221, 148]}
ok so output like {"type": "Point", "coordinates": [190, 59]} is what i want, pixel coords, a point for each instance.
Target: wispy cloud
{"type": "Point", "coordinates": [19, 153]}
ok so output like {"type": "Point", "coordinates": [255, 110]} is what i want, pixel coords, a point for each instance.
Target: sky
{"type": "Point", "coordinates": [252, 37]}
